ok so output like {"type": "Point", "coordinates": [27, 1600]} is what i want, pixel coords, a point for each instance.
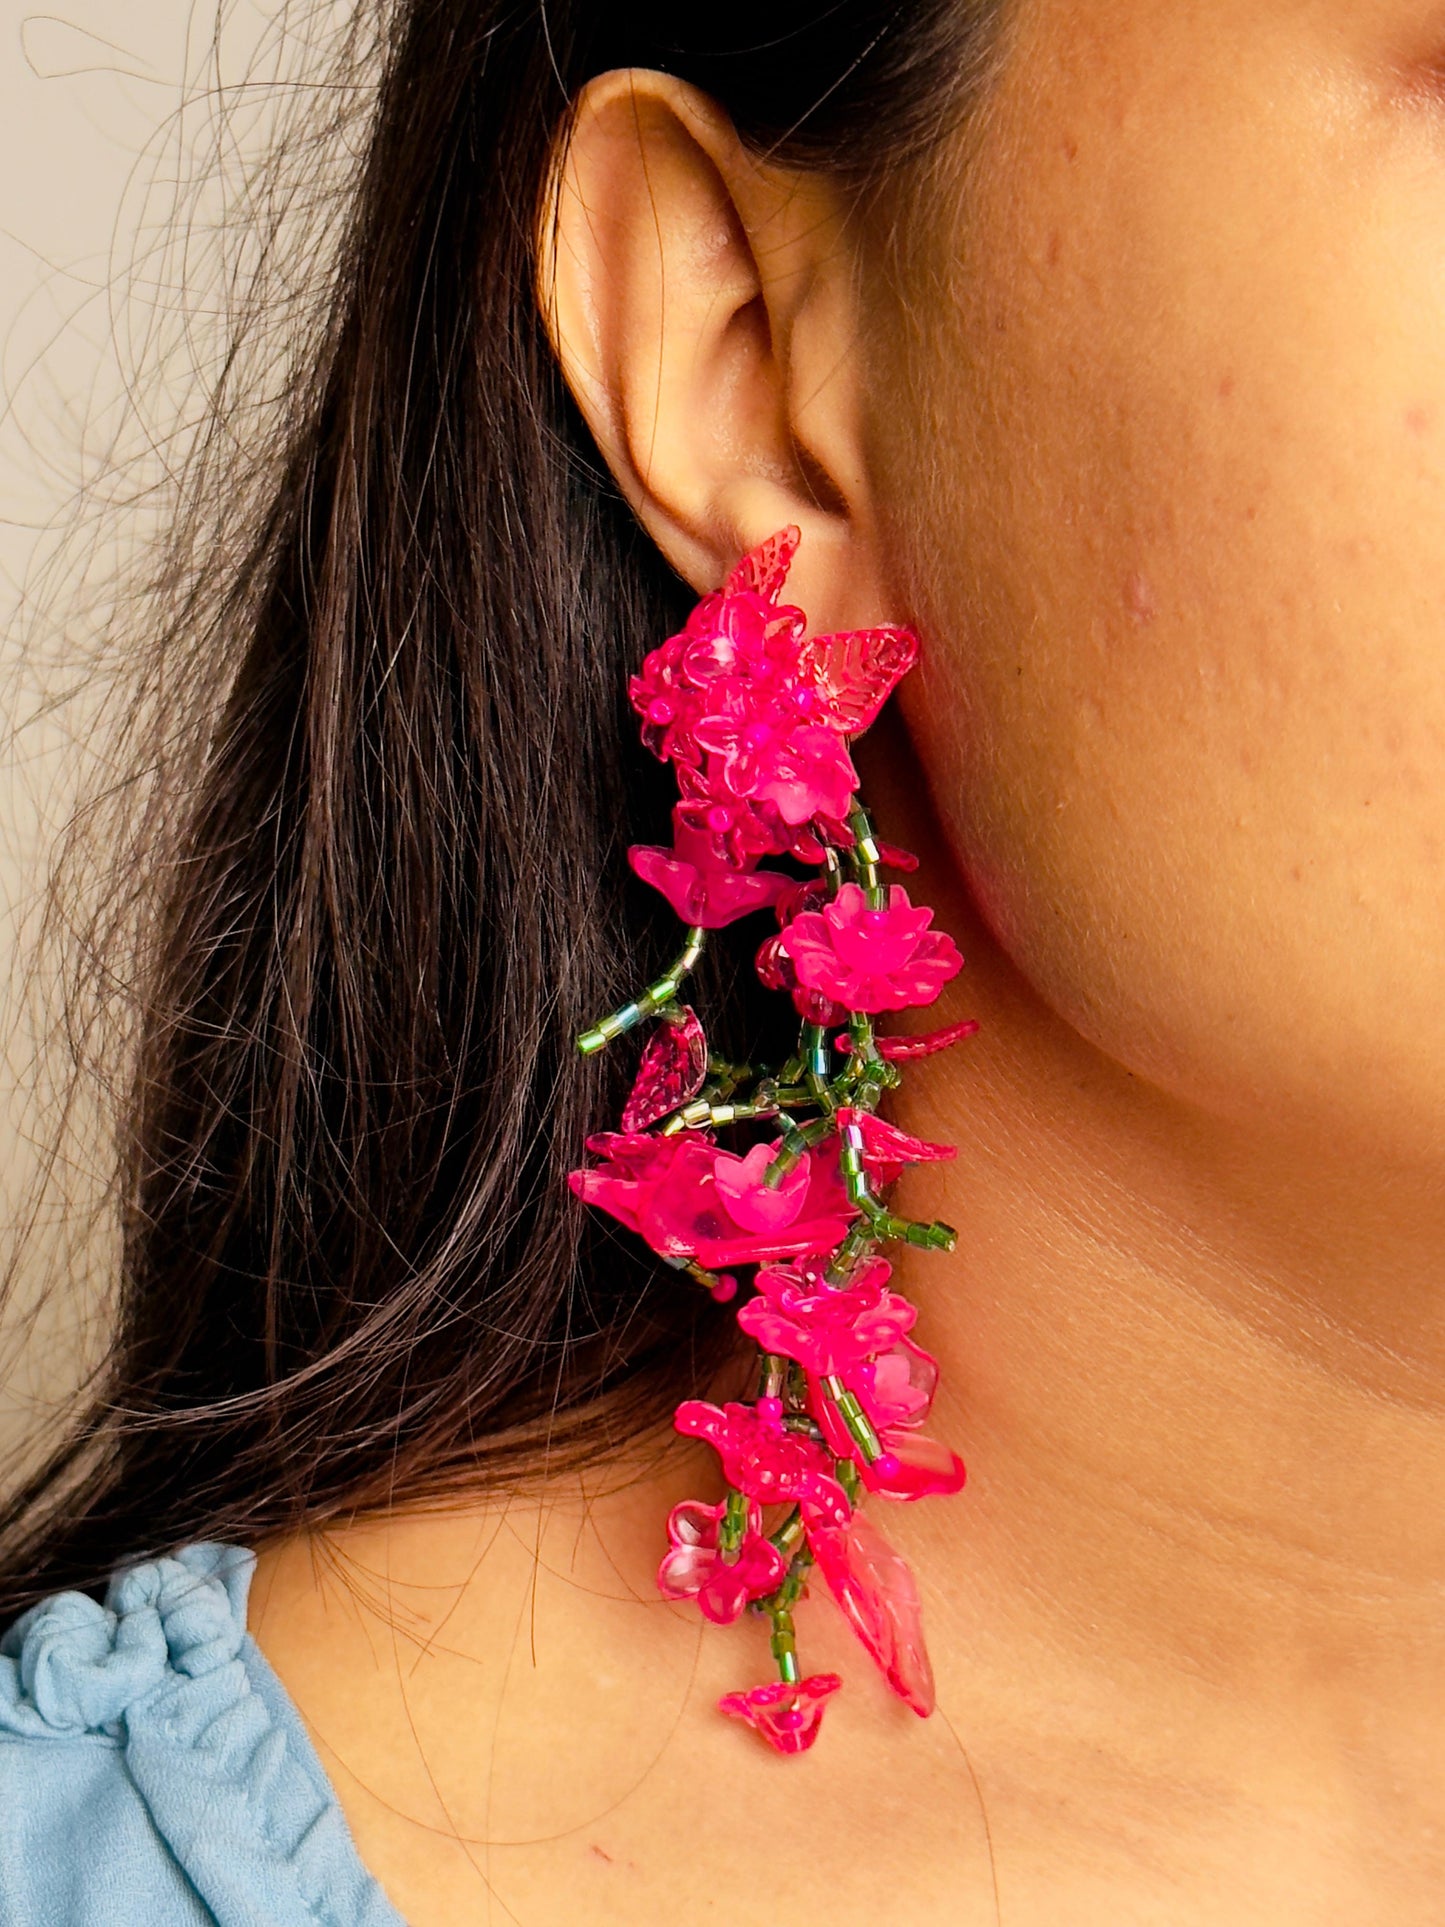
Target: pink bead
{"type": "Point", "coordinates": [770, 1410]}
{"type": "Point", "coordinates": [886, 1465]}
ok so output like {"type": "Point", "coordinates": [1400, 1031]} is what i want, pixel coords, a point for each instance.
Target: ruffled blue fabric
{"type": "Point", "coordinates": [154, 1772]}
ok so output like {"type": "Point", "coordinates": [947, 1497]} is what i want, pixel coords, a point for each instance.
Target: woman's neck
{"type": "Point", "coordinates": [1188, 1617]}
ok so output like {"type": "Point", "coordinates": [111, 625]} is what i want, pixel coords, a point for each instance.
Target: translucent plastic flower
{"type": "Point", "coordinates": [788, 1717]}
{"type": "Point", "coordinates": [634, 1165]}
{"type": "Point", "coordinates": [693, 1567]}
{"type": "Point", "coordinates": [871, 960]}
{"type": "Point", "coordinates": [689, 1199]}
{"type": "Point", "coordinates": [875, 1588]}
{"type": "Point", "coordinates": [710, 898]}
{"type": "Point", "coordinates": [829, 1330]}
{"type": "Point", "coordinates": [716, 1207]}
{"type": "Point", "coordinates": [762, 1458]}
{"type": "Point", "coordinates": [763, 749]}
{"type": "Point", "coordinates": [725, 832]}
{"type": "Point", "coordinates": [912, 1466]}
{"type": "Point", "coordinates": [705, 876]}
{"type": "Point", "coordinates": [741, 633]}
{"type": "Point", "coordinates": [897, 1387]}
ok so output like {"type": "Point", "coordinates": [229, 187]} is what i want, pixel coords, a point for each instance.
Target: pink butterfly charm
{"type": "Point", "coordinates": [855, 672]}
{"type": "Point", "coordinates": [672, 1072]}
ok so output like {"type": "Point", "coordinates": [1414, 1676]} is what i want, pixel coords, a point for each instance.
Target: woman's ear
{"type": "Point", "coordinates": [702, 306]}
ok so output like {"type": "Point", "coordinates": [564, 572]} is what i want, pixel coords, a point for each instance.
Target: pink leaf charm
{"type": "Point", "coordinates": [788, 1717]}
{"type": "Point", "coordinates": [878, 1595]}
{"type": "Point", "coordinates": [764, 570]}
{"type": "Point", "coordinates": [671, 1073]}
{"type": "Point", "coordinates": [856, 671]}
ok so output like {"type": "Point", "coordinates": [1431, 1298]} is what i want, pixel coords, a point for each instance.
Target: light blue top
{"type": "Point", "coordinates": [154, 1772]}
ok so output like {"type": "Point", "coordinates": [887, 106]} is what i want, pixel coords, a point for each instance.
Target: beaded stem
{"type": "Point", "coordinates": [652, 999]}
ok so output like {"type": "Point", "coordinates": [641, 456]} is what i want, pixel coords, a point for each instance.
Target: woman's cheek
{"type": "Point", "coordinates": [1182, 557]}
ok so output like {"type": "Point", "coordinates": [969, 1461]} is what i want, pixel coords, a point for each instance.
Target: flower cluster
{"type": "Point", "coordinates": [756, 718]}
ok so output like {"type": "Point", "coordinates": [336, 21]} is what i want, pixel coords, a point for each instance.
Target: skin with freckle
{"type": "Point", "coordinates": [1181, 548]}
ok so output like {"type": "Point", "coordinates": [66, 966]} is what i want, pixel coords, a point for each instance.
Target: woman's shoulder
{"type": "Point", "coordinates": [152, 1769]}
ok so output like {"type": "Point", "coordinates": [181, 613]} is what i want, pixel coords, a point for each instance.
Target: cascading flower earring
{"type": "Point", "coordinates": [756, 716]}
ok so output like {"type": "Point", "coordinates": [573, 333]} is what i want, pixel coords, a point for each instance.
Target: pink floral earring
{"type": "Point", "coordinates": [755, 717]}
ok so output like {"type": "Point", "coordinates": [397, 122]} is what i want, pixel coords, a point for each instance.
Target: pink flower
{"type": "Point", "coordinates": [741, 633]}
{"type": "Point", "coordinates": [635, 1164]}
{"type": "Point", "coordinates": [708, 876]}
{"type": "Point", "coordinates": [724, 832]}
{"type": "Point", "coordinates": [895, 1390]}
{"type": "Point", "coordinates": [762, 1458]}
{"type": "Point", "coordinates": [711, 898]}
{"type": "Point", "coordinates": [689, 1199]}
{"type": "Point", "coordinates": [767, 751]}
{"type": "Point", "coordinates": [868, 959]}
{"type": "Point", "coordinates": [694, 1568]}
{"type": "Point", "coordinates": [828, 1330]}
{"type": "Point", "coordinates": [737, 636]}
{"type": "Point", "coordinates": [672, 1071]}
{"type": "Point", "coordinates": [876, 1591]}
{"type": "Point", "coordinates": [717, 1208]}
{"type": "Point", "coordinates": [788, 1717]}
{"type": "Point", "coordinates": [897, 1387]}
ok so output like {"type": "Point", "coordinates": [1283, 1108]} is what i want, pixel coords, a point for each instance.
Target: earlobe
{"type": "Point", "coordinates": [698, 301]}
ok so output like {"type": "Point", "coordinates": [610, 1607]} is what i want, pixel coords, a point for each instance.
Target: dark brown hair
{"type": "Point", "coordinates": [352, 1271]}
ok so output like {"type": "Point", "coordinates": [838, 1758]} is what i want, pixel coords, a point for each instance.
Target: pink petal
{"type": "Point", "coordinates": [750, 1202]}
{"type": "Point", "coordinates": [885, 1143]}
{"type": "Point", "coordinates": [921, 1468]}
{"type": "Point", "coordinates": [788, 1717]}
{"type": "Point", "coordinates": [897, 1387]}
{"type": "Point", "coordinates": [711, 898]}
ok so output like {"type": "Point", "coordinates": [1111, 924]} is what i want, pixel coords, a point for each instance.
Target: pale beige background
{"type": "Point", "coordinates": [122, 129]}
